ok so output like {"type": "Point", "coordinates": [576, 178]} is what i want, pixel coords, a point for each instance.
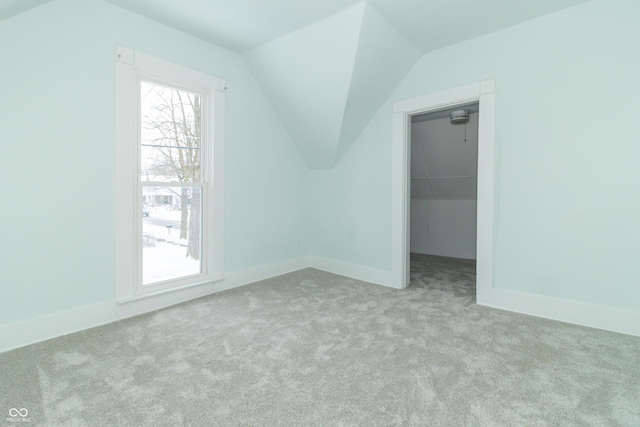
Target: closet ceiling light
{"type": "Point", "coordinates": [459, 117]}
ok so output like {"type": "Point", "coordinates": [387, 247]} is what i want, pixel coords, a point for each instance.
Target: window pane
{"type": "Point", "coordinates": [171, 233]}
{"type": "Point", "coordinates": [170, 129]}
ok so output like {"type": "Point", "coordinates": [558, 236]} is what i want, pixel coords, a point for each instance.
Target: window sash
{"type": "Point", "coordinates": [200, 184]}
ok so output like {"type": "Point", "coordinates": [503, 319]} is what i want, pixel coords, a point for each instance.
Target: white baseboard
{"type": "Point", "coordinates": [20, 334]}
{"type": "Point", "coordinates": [359, 272]}
{"type": "Point", "coordinates": [262, 272]}
{"type": "Point", "coordinates": [151, 302]}
{"type": "Point", "coordinates": [569, 311]}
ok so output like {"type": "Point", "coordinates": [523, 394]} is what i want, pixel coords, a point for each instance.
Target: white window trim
{"type": "Point", "coordinates": [130, 66]}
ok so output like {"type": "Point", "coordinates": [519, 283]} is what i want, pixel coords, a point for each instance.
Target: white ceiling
{"type": "Point", "coordinates": [328, 65]}
{"type": "Point", "coordinates": [9, 8]}
{"type": "Point", "coordinates": [241, 25]}
{"type": "Point", "coordinates": [326, 80]}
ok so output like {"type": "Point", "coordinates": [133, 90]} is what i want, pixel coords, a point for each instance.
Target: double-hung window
{"type": "Point", "coordinates": [169, 172]}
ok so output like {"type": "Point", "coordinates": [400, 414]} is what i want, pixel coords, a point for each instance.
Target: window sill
{"type": "Point", "coordinates": [146, 295]}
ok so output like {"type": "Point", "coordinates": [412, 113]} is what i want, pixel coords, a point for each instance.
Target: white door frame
{"type": "Point", "coordinates": [482, 92]}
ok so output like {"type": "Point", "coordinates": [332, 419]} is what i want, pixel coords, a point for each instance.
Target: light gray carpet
{"type": "Point", "coordinates": [313, 348]}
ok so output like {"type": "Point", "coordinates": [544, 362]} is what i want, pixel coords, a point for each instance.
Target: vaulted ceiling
{"type": "Point", "coordinates": [9, 8]}
{"type": "Point", "coordinates": [327, 79]}
{"type": "Point", "coordinates": [327, 66]}
{"type": "Point", "coordinates": [242, 25]}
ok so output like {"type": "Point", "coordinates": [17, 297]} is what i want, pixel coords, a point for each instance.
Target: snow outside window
{"type": "Point", "coordinates": [171, 182]}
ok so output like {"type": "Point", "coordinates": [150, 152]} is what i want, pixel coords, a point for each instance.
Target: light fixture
{"type": "Point", "coordinates": [459, 117]}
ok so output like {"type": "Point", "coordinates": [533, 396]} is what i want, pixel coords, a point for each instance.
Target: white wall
{"type": "Point", "coordinates": [444, 227]}
{"type": "Point", "coordinates": [57, 156]}
{"type": "Point", "coordinates": [566, 152]}
{"type": "Point", "coordinates": [567, 173]}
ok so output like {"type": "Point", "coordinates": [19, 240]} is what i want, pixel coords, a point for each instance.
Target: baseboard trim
{"type": "Point", "coordinates": [569, 311]}
{"type": "Point", "coordinates": [20, 334]}
{"type": "Point", "coordinates": [262, 272]}
{"type": "Point", "coordinates": [354, 271]}
{"type": "Point", "coordinates": [162, 300]}
{"type": "Point", "coordinates": [23, 333]}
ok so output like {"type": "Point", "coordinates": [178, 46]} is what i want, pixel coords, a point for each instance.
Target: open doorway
{"type": "Point", "coordinates": [443, 170]}
{"type": "Point", "coordinates": [482, 93]}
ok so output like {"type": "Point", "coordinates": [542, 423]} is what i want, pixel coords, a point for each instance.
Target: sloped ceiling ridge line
{"type": "Point", "coordinates": [327, 80]}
